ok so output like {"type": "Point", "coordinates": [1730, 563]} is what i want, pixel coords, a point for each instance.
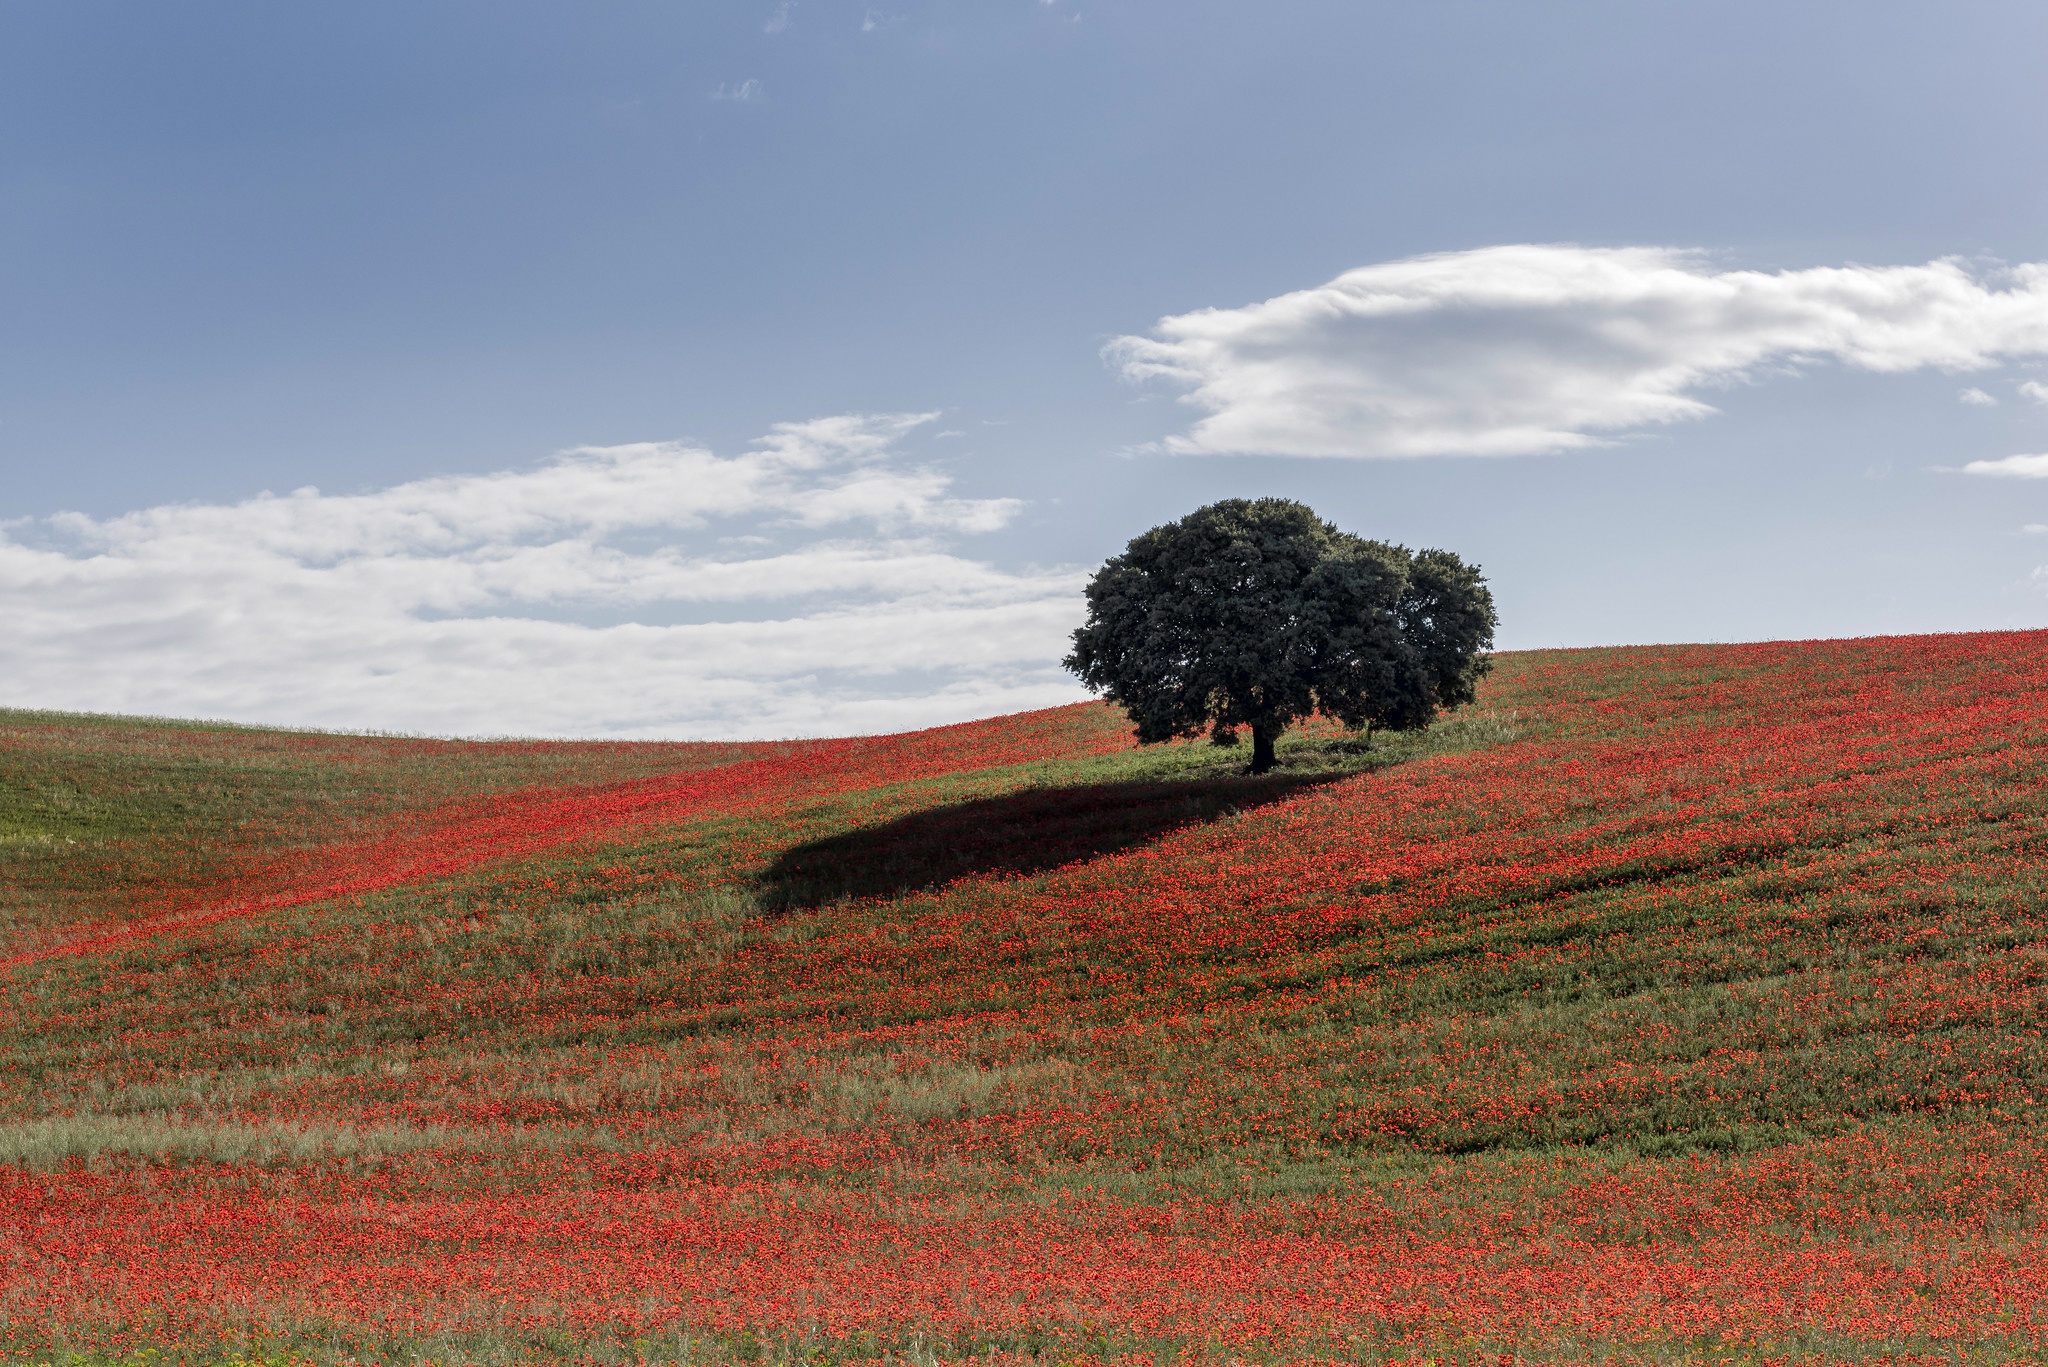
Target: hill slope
{"type": "Point", "coordinates": [1672, 1003]}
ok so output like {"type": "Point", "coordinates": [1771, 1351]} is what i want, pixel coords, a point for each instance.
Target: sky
{"type": "Point", "coordinates": [763, 368]}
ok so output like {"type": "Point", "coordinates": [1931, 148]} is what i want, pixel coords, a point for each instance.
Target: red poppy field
{"type": "Point", "coordinates": [1671, 1004]}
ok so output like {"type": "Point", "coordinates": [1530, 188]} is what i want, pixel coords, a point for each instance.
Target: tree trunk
{"type": "Point", "coordinates": [1263, 736]}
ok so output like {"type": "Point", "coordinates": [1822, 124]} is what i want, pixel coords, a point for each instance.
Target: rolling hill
{"type": "Point", "coordinates": [1671, 1004]}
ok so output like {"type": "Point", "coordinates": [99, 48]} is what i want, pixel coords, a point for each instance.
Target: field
{"type": "Point", "coordinates": [1671, 1004]}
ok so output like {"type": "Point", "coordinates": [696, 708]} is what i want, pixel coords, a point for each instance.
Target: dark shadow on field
{"type": "Point", "coordinates": [1019, 833]}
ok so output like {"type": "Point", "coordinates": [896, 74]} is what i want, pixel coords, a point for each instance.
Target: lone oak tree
{"type": "Point", "coordinates": [1257, 613]}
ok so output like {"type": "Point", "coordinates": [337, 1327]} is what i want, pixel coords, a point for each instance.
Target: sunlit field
{"type": "Point", "coordinates": [1670, 1004]}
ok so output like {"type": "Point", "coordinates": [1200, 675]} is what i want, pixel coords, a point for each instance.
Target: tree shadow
{"type": "Point", "coordinates": [1023, 832]}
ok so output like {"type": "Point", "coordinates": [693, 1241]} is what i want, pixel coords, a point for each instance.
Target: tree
{"type": "Point", "coordinates": [1256, 613]}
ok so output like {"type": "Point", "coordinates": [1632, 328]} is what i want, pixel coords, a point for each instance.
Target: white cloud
{"type": "Point", "coordinates": [2011, 467]}
{"type": "Point", "coordinates": [2035, 528]}
{"type": "Point", "coordinates": [810, 585]}
{"type": "Point", "coordinates": [2035, 390]}
{"type": "Point", "coordinates": [1977, 398]}
{"type": "Point", "coordinates": [1521, 349]}
{"type": "Point", "coordinates": [778, 22]}
{"type": "Point", "coordinates": [745, 92]}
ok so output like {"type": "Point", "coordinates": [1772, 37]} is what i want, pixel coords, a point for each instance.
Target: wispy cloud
{"type": "Point", "coordinates": [1522, 349]}
{"type": "Point", "coordinates": [778, 21]}
{"type": "Point", "coordinates": [811, 584]}
{"type": "Point", "coordinates": [744, 92]}
{"type": "Point", "coordinates": [2011, 467]}
{"type": "Point", "coordinates": [2035, 390]}
{"type": "Point", "coordinates": [1977, 398]}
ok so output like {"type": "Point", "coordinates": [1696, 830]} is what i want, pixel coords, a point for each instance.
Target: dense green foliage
{"type": "Point", "coordinates": [1256, 614]}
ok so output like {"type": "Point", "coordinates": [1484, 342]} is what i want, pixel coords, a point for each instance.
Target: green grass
{"type": "Point", "coordinates": [97, 813]}
{"type": "Point", "coordinates": [936, 996]}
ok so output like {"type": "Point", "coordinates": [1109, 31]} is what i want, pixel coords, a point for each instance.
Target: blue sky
{"type": "Point", "coordinates": [249, 248]}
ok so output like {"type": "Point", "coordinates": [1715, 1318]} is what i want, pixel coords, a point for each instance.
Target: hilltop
{"type": "Point", "coordinates": [1671, 1003]}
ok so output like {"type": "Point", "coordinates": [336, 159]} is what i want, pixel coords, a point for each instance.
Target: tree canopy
{"type": "Point", "coordinates": [1254, 614]}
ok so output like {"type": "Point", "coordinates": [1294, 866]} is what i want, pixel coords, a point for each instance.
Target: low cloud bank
{"type": "Point", "coordinates": [811, 585]}
{"type": "Point", "coordinates": [2011, 467]}
{"type": "Point", "coordinates": [1518, 350]}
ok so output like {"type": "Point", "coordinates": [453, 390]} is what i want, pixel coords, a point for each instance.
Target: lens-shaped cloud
{"type": "Point", "coordinates": [1517, 350]}
{"type": "Point", "coordinates": [2010, 467]}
